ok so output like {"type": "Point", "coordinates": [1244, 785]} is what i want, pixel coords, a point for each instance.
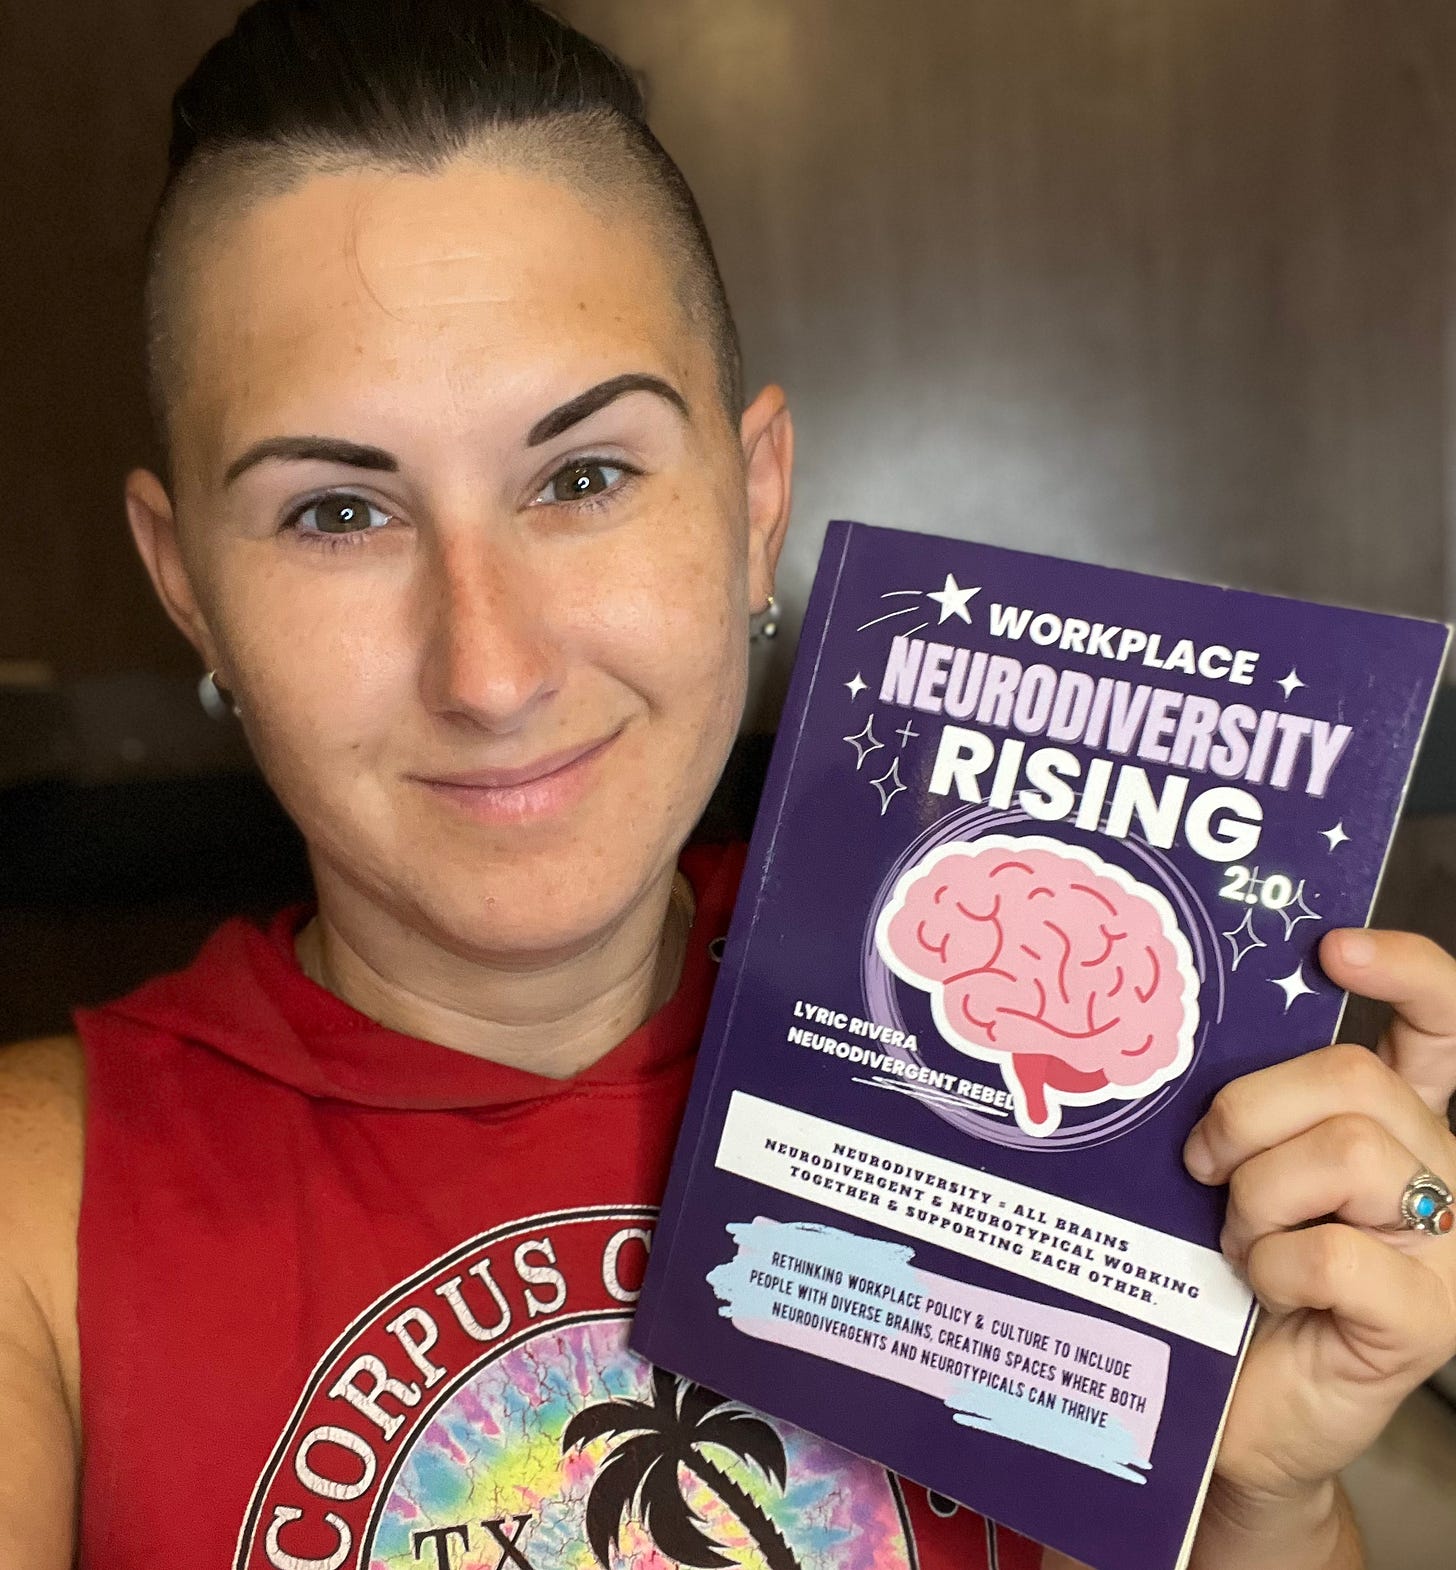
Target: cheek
{"type": "Point", "coordinates": [679, 615]}
{"type": "Point", "coordinates": [318, 657]}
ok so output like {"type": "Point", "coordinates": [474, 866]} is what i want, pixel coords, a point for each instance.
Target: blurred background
{"type": "Point", "coordinates": [1166, 284]}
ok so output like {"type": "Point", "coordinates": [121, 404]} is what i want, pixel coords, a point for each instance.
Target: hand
{"type": "Point", "coordinates": [1316, 1152]}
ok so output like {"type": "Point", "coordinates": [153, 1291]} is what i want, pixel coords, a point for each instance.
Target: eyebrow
{"type": "Point", "coordinates": [575, 410]}
{"type": "Point", "coordinates": [354, 455]}
{"type": "Point", "coordinates": [316, 449]}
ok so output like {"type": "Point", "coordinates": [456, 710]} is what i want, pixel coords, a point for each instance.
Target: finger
{"type": "Point", "coordinates": [1348, 1166]}
{"type": "Point", "coordinates": [1418, 978]}
{"type": "Point", "coordinates": [1394, 1314]}
{"type": "Point", "coordinates": [1260, 1110]}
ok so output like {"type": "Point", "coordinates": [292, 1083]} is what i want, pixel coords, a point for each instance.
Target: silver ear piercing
{"type": "Point", "coordinates": [215, 698]}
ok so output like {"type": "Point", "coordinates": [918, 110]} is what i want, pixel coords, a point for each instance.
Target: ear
{"type": "Point", "coordinates": [767, 434]}
{"type": "Point", "coordinates": [153, 523]}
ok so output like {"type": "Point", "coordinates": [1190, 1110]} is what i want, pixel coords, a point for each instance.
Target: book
{"type": "Point", "coordinates": [1043, 858]}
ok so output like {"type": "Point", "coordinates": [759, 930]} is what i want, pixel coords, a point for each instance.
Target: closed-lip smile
{"type": "Point", "coordinates": [546, 782]}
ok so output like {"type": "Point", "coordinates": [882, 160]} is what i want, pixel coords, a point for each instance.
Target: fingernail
{"type": "Point", "coordinates": [1197, 1157]}
{"type": "Point", "coordinates": [1227, 1248]}
{"type": "Point", "coordinates": [1357, 948]}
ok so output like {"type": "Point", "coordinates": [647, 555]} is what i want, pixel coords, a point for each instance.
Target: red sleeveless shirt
{"type": "Point", "coordinates": [351, 1298]}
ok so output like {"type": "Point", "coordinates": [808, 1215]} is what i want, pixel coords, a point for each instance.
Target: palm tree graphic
{"type": "Point", "coordinates": [640, 1475]}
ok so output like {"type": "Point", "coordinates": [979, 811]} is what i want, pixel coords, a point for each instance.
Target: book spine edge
{"type": "Point", "coordinates": [1412, 757]}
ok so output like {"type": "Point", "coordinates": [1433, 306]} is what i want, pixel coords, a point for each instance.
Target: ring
{"type": "Point", "coordinates": [1426, 1205]}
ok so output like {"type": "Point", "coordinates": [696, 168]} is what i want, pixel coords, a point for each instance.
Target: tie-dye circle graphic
{"type": "Point", "coordinates": [568, 1452]}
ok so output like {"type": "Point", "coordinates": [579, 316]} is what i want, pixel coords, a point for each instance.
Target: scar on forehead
{"type": "Point", "coordinates": [460, 299]}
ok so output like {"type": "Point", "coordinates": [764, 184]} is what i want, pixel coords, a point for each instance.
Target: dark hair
{"type": "Point", "coordinates": [305, 84]}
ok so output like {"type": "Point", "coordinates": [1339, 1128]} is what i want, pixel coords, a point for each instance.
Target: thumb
{"type": "Point", "coordinates": [1418, 978]}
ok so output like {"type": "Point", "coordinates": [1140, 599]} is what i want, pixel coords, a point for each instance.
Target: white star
{"type": "Point", "coordinates": [952, 600]}
{"type": "Point", "coordinates": [1292, 986]}
{"type": "Point", "coordinates": [1289, 682]}
{"type": "Point", "coordinates": [864, 742]}
{"type": "Point", "coordinates": [1336, 836]}
{"type": "Point", "coordinates": [1297, 903]}
{"type": "Point", "coordinates": [890, 778]}
{"type": "Point", "coordinates": [1244, 929]}
{"type": "Point", "coordinates": [856, 686]}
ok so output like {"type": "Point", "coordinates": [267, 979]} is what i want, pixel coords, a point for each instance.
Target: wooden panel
{"type": "Point", "coordinates": [84, 91]}
{"type": "Point", "coordinates": [1159, 285]}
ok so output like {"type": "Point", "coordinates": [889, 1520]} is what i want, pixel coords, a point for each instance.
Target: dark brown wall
{"type": "Point", "coordinates": [84, 87]}
{"type": "Point", "coordinates": [1163, 284]}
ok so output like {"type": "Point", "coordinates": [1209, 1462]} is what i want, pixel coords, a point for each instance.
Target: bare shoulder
{"type": "Point", "coordinates": [42, 1149]}
{"type": "Point", "coordinates": [54, 1061]}
{"type": "Point", "coordinates": [42, 1125]}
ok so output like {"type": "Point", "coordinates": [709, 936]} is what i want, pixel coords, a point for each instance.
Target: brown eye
{"type": "Point", "coordinates": [582, 481]}
{"type": "Point", "coordinates": [339, 513]}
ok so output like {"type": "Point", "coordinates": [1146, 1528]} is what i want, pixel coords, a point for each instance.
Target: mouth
{"type": "Point", "coordinates": [546, 785]}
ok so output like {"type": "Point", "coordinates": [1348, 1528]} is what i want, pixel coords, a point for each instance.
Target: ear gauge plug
{"type": "Point", "coordinates": [216, 699]}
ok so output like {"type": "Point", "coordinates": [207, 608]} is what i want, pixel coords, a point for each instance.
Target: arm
{"type": "Point", "coordinates": [38, 1468]}
{"type": "Point", "coordinates": [40, 1178]}
{"type": "Point", "coordinates": [1315, 1532]}
{"type": "Point", "coordinates": [1318, 1534]}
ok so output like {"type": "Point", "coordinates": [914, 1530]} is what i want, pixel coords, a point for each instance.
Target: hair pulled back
{"type": "Point", "coordinates": [303, 86]}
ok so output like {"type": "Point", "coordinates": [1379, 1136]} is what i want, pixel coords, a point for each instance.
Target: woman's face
{"type": "Point", "coordinates": [492, 665]}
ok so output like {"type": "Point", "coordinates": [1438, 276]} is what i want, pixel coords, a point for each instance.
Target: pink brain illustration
{"type": "Point", "coordinates": [1039, 956]}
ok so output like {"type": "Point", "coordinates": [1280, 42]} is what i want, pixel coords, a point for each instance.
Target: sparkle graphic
{"type": "Point", "coordinates": [1289, 682]}
{"type": "Point", "coordinates": [856, 685]}
{"type": "Point", "coordinates": [1245, 929]}
{"type": "Point", "coordinates": [953, 600]}
{"type": "Point", "coordinates": [1292, 986]}
{"type": "Point", "coordinates": [1297, 903]}
{"type": "Point", "coordinates": [1336, 836]}
{"type": "Point", "coordinates": [864, 743]}
{"type": "Point", "coordinates": [905, 610]}
{"type": "Point", "coordinates": [889, 786]}
{"type": "Point", "coordinates": [906, 733]}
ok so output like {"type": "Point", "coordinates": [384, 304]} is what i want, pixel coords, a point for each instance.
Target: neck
{"type": "Point", "coordinates": [554, 1019]}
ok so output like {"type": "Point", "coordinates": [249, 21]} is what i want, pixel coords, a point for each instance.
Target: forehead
{"type": "Point", "coordinates": [466, 291]}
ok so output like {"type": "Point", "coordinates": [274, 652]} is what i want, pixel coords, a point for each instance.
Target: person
{"type": "Point", "coordinates": [322, 1249]}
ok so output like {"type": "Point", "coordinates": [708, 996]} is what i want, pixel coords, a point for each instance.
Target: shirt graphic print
{"type": "Point", "coordinates": [487, 1413]}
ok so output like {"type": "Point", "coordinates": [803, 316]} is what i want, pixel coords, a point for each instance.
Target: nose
{"type": "Point", "coordinates": [490, 653]}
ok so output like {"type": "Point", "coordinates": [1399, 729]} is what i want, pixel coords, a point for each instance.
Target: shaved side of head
{"type": "Point", "coordinates": [302, 88]}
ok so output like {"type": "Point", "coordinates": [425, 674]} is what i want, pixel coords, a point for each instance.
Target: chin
{"type": "Point", "coordinates": [549, 882]}
{"type": "Point", "coordinates": [541, 900]}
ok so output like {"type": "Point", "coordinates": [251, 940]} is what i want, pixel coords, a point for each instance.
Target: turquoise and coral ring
{"type": "Point", "coordinates": [1427, 1205]}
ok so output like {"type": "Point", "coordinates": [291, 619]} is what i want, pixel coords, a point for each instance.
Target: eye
{"type": "Point", "coordinates": [583, 480]}
{"type": "Point", "coordinates": [336, 514]}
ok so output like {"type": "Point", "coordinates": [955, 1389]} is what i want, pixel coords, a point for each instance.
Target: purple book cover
{"type": "Point", "coordinates": [1043, 859]}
